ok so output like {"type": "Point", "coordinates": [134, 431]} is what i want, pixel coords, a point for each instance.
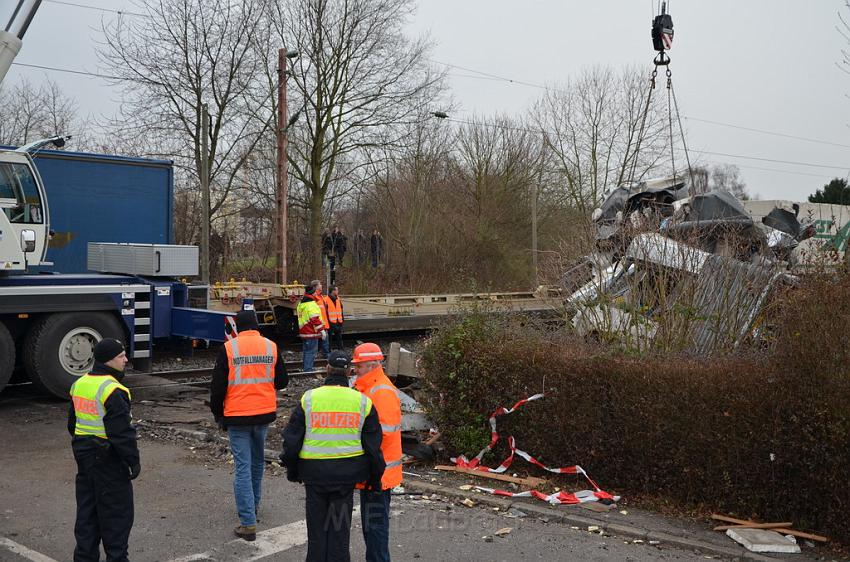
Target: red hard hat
{"type": "Point", "coordinates": [367, 352]}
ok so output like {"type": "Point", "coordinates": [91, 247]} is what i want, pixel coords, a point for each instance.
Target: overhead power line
{"type": "Point", "coordinates": [97, 8]}
{"type": "Point", "coordinates": [495, 77]}
{"type": "Point", "coordinates": [68, 70]}
{"type": "Point", "coordinates": [764, 132]}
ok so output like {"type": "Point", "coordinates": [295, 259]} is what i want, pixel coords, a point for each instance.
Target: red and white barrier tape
{"type": "Point", "coordinates": [583, 496]}
{"type": "Point", "coordinates": [559, 497]}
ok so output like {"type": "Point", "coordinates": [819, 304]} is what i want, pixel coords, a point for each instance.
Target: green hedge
{"type": "Point", "coordinates": [760, 435]}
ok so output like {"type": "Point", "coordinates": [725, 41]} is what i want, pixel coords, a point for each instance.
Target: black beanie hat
{"type": "Point", "coordinates": [107, 349]}
{"type": "Point", "coordinates": [247, 320]}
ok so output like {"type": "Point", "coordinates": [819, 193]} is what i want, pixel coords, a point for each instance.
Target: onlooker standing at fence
{"type": "Point", "coordinates": [340, 244]}
{"type": "Point", "coordinates": [327, 251]}
{"type": "Point", "coordinates": [377, 244]}
{"type": "Point", "coordinates": [361, 248]}
{"type": "Point", "coordinates": [333, 305]}
{"type": "Point", "coordinates": [243, 399]}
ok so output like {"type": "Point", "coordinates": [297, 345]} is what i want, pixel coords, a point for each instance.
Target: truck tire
{"type": "Point", "coordinates": [7, 356]}
{"type": "Point", "coordinates": [59, 348]}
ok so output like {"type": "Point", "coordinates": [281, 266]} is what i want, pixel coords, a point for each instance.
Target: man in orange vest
{"type": "Point", "coordinates": [333, 304]}
{"type": "Point", "coordinates": [320, 300]}
{"type": "Point", "coordinates": [243, 400]}
{"type": "Point", "coordinates": [375, 504]}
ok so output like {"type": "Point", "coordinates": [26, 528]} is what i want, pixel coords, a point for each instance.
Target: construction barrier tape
{"type": "Point", "coordinates": [583, 496]}
{"type": "Point", "coordinates": [557, 498]}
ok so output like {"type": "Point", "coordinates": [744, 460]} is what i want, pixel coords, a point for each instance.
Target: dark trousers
{"type": "Point", "coordinates": [329, 522]}
{"type": "Point", "coordinates": [104, 508]}
{"type": "Point", "coordinates": [375, 518]}
{"type": "Point", "coordinates": [336, 336]}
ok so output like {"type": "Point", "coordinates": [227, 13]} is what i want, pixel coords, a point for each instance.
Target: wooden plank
{"type": "Point", "coordinates": [802, 535]}
{"type": "Point", "coordinates": [531, 481]}
{"type": "Point", "coordinates": [755, 526]}
{"type": "Point", "coordinates": [784, 531]}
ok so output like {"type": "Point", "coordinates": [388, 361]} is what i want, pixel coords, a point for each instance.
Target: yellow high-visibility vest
{"type": "Point", "coordinates": [333, 418]}
{"type": "Point", "coordinates": [89, 394]}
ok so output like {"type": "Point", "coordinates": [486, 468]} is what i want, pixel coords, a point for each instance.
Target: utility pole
{"type": "Point", "coordinates": [534, 188]}
{"type": "Point", "coordinates": [205, 195]}
{"type": "Point", "coordinates": [282, 179]}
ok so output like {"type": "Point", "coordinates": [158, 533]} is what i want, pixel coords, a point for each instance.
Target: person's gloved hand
{"type": "Point", "coordinates": [292, 476]}
{"type": "Point", "coordinates": [374, 485]}
{"type": "Point", "coordinates": [219, 421]}
{"type": "Point", "coordinates": [324, 335]}
{"type": "Point", "coordinates": [135, 470]}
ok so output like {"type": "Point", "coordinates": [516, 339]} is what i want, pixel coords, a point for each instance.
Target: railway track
{"type": "Point", "coordinates": [200, 376]}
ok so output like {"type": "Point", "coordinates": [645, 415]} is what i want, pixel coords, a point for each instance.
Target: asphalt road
{"type": "Point", "coordinates": [184, 509]}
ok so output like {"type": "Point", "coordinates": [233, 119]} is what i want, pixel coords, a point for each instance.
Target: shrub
{"type": "Point", "coordinates": [757, 435]}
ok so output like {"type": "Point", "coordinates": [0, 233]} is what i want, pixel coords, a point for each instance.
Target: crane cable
{"type": "Point", "coordinates": [662, 38]}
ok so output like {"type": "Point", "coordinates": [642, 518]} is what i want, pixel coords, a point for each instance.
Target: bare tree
{"type": "Point", "coordinates": [723, 177]}
{"type": "Point", "coordinates": [185, 54]}
{"type": "Point", "coordinates": [360, 80]}
{"type": "Point", "coordinates": [593, 125]}
{"type": "Point", "coordinates": [28, 113]}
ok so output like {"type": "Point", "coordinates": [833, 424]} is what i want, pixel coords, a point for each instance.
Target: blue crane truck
{"type": "Point", "coordinates": [55, 206]}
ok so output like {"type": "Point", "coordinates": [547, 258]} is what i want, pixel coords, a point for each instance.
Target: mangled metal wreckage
{"type": "Point", "coordinates": [680, 271]}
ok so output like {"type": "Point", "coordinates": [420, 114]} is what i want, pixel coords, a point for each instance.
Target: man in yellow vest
{"type": "Point", "coordinates": [104, 445]}
{"type": "Point", "coordinates": [332, 442]}
{"type": "Point", "coordinates": [319, 297]}
{"type": "Point", "coordinates": [375, 502]}
{"type": "Point", "coordinates": [310, 327]}
{"type": "Point", "coordinates": [243, 399]}
{"type": "Point", "coordinates": [333, 304]}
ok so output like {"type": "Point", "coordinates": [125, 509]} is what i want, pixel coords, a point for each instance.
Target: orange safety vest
{"type": "Point", "coordinates": [334, 310]}
{"type": "Point", "coordinates": [384, 395]}
{"type": "Point", "coordinates": [320, 300]}
{"type": "Point", "coordinates": [251, 360]}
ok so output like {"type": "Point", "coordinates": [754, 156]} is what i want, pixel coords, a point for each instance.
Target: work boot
{"type": "Point", "coordinates": [247, 532]}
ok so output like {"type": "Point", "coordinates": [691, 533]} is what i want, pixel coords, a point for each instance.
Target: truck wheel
{"type": "Point", "coordinates": [7, 356]}
{"type": "Point", "coordinates": [60, 348]}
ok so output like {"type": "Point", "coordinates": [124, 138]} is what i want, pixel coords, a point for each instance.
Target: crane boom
{"type": "Point", "coordinates": [11, 38]}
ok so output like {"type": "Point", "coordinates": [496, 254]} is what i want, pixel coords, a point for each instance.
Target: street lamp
{"type": "Point", "coordinates": [283, 126]}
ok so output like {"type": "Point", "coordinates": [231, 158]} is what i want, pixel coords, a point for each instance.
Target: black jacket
{"type": "Point", "coordinates": [349, 471]}
{"type": "Point", "coordinates": [120, 433]}
{"type": "Point", "coordinates": [218, 391]}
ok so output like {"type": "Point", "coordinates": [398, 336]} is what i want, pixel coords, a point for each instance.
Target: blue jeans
{"type": "Point", "coordinates": [375, 519]}
{"type": "Point", "coordinates": [310, 348]}
{"type": "Point", "coordinates": [247, 443]}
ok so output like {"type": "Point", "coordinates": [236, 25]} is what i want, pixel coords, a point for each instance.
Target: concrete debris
{"type": "Point", "coordinates": [468, 502]}
{"type": "Point", "coordinates": [503, 531]}
{"type": "Point", "coordinates": [763, 540]}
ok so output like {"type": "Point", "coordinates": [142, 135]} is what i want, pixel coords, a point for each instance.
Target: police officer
{"type": "Point", "coordinates": [332, 442]}
{"type": "Point", "coordinates": [243, 400]}
{"type": "Point", "coordinates": [104, 445]}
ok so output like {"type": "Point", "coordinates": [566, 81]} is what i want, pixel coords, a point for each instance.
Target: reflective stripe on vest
{"type": "Point", "coordinates": [239, 361]}
{"type": "Point", "coordinates": [333, 419]}
{"type": "Point", "coordinates": [388, 430]}
{"type": "Point", "coordinates": [251, 360]}
{"type": "Point", "coordinates": [334, 310]}
{"type": "Point", "coordinates": [89, 395]}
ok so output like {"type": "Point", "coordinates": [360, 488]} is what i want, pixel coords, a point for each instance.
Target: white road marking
{"type": "Point", "coordinates": [269, 542]}
{"type": "Point", "coordinates": [24, 552]}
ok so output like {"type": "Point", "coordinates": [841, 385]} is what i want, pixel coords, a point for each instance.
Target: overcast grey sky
{"type": "Point", "coordinates": [759, 64]}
